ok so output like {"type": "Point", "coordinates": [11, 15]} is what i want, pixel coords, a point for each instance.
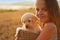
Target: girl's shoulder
{"type": "Point", "coordinates": [50, 26]}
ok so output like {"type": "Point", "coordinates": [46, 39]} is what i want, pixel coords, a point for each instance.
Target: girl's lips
{"type": "Point", "coordinates": [42, 16]}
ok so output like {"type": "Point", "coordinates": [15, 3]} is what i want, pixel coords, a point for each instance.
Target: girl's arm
{"type": "Point", "coordinates": [48, 32]}
{"type": "Point", "coordinates": [17, 35]}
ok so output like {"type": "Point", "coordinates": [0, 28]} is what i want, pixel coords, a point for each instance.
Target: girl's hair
{"type": "Point", "coordinates": [53, 12]}
{"type": "Point", "coordinates": [53, 9]}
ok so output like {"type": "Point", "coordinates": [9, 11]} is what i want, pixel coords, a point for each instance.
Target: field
{"type": "Point", "coordinates": [9, 21]}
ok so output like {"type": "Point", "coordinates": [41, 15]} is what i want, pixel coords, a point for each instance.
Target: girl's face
{"type": "Point", "coordinates": [42, 11]}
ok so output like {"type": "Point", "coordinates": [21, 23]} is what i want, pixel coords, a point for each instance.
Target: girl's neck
{"type": "Point", "coordinates": [42, 25]}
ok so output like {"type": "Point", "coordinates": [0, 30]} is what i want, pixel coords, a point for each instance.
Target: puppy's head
{"type": "Point", "coordinates": [29, 20]}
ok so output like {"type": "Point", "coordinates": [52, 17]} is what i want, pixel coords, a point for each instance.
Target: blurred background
{"type": "Point", "coordinates": [10, 14]}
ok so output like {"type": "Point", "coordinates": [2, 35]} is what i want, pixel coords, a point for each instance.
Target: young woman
{"type": "Point", "coordinates": [48, 13]}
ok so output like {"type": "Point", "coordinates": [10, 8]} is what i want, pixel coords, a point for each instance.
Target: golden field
{"type": "Point", "coordinates": [9, 21]}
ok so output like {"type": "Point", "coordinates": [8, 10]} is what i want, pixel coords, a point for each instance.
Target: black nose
{"type": "Point", "coordinates": [27, 26]}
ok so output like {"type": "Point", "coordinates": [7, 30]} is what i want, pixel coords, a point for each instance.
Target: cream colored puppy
{"type": "Point", "coordinates": [30, 23]}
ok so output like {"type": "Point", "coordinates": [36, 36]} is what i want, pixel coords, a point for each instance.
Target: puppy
{"type": "Point", "coordinates": [30, 23]}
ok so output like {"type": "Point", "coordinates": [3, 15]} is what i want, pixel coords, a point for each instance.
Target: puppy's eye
{"type": "Point", "coordinates": [44, 9]}
{"type": "Point", "coordinates": [29, 20]}
{"type": "Point", "coordinates": [23, 21]}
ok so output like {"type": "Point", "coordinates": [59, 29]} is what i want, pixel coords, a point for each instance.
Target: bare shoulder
{"type": "Point", "coordinates": [50, 26]}
{"type": "Point", "coordinates": [49, 31]}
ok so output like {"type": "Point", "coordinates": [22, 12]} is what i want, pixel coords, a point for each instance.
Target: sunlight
{"type": "Point", "coordinates": [16, 4]}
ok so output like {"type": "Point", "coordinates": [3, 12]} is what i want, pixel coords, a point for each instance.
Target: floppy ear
{"type": "Point", "coordinates": [37, 14]}
{"type": "Point", "coordinates": [36, 22]}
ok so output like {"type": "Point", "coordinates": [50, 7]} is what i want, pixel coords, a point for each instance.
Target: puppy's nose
{"type": "Point", "coordinates": [27, 26]}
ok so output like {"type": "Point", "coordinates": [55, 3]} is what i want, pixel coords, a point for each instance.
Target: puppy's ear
{"type": "Point", "coordinates": [36, 22]}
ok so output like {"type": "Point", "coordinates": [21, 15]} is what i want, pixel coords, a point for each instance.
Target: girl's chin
{"type": "Point", "coordinates": [43, 21]}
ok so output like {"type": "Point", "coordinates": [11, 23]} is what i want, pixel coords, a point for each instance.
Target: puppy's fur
{"type": "Point", "coordinates": [30, 22]}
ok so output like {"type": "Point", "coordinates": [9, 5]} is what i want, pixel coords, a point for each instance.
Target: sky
{"type": "Point", "coordinates": [13, 1]}
{"type": "Point", "coordinates": [5, 2]}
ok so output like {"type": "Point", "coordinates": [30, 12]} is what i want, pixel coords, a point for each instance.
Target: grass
{"type": "Point", "coordinates": [9, 21]}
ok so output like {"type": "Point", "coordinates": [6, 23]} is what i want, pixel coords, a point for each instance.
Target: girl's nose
{"type": "Point", "coordinates": [40, 12]}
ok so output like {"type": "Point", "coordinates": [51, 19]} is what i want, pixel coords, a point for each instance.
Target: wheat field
{"type": "Point", "coordinates": [9, 21]}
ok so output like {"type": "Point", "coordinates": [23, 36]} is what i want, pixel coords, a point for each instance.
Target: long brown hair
{"type": "Point", "coordinates": [54, 15]}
